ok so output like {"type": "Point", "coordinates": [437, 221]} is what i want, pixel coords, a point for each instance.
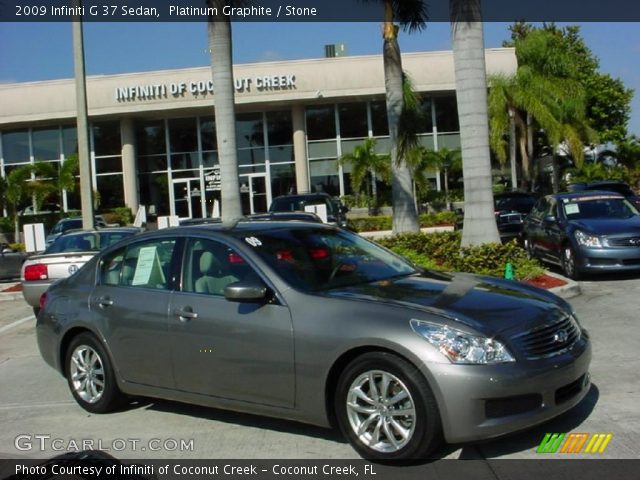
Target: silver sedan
{"type": "Point", "coordinates": [313, 323]}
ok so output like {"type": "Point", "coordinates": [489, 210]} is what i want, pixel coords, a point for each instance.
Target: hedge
{"type": "Point", "coordinates": [376, 224]}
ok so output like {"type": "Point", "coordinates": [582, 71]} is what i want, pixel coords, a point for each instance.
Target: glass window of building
{"type": "Point", "coordinates": [447, 114]}
{"type": "Point", "coordinates": [154, 192]}
{"type": "Point", "coordinates": [46, 143]}
{"type": "Point", "coordinates": [150, 138]}
{"type": "Point", "coordinates": [249, 130]}
{"type": "Point", "coordinates": [426, 117]}
{"type": "Point", "coordinates": [321, 122]}
{"type": "Point", "coordinates": [111, 191]}
{"type": "Point", "coordinates": [379, 121]}
{"type": "Point", "coordinates": [69, 141]}
{"type": "Point", "coordinates": [324, 176]}
{"type": "Point", "coordinates": [279, 128]}
{"type": "Point", "coordinates": [283, 179]}
{"type": "Point", "coordinates": [106, 138]}
{"type": "Point", "coordinates": [15, 146]}
{"type": "Point", "coordinates": [208, 133]}
{"type": "Point", "coordinates": [353, 120]}
{"type": "Point", "coordinates": [108, 164]}
{"type": "Point", "coordinates": [183, 135]}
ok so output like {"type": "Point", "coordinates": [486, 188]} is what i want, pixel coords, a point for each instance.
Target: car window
{"type": "Point", "coordinates": [143, 265]}
{"type": "Point", "coordinates": [110, 238]}
{"type": "Point", "coordinates": [539, 208]}
{"type": "Point", "coordinates": [70, 225]}
{"type": "Point", "coordinates": [318, 259]}
{"type": "Point", "coordinates": [85, 242]}
{"type": "Point", "coordinates": [210, 266]}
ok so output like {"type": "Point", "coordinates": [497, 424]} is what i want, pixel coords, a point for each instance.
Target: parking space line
{"type": "Point", "coordinates": [16, 323]}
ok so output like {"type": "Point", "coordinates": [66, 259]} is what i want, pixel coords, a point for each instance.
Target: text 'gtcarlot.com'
{"type": "Point", "coordinates": [43, 443]}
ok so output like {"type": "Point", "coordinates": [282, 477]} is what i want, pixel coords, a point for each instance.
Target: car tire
{"type": "Point", "coordinates": [370, 393]}
{"type": "Point", "coordinates": [90, 375]}
{"type": "Point", "coordinates": [569, 262]}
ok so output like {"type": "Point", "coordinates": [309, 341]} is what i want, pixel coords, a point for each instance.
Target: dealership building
{"type": "Point", "coordinates": [153, 139]}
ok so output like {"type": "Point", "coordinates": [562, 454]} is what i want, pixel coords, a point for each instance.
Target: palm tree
{"type": "Point", "coordinates": [219, 33]}
{"type": "Point", "coordinates": [16, 191]}
{"type": "Point", "coordinates": [412, 15]}
{"type": "Point", "coordinates": [544, 89]}
{"type": "Point", "coordinates": [367, 164]}
{"type": "Point", "coordinates": [471, 91]}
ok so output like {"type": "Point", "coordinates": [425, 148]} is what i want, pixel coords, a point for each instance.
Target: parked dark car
{"type": "Point", "coordinates": [71, 223]}
{"type": "Point", "coordinates": [336, 212]}
{"type": "Point", "coordinates": [584, 232]}
{"type": "Point", "coordinates": [313, 323]}
{"type": "Point", "coordinates": [608, 186]}
{"type": "Point", "coordinates": [510, 208]}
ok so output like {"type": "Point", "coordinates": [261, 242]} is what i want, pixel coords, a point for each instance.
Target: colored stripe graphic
{"type": "Point", "coordinates": [550, 443]}
{"type": "Point", "coordinates": [574, 442]}
{"type": "Point", "coordinates": [598, 443]}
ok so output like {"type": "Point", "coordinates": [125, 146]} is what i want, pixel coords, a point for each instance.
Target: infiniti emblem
{"type": "Point", "coordinates": [635, 241]}
{"type": "Point", "coordinates": [73, 269]}
{"type": "Point", "coordinates": [561, 336]}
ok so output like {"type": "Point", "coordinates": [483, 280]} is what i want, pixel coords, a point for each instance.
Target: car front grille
{"type": "Point", "coordinates": [550, 339]}
{"type": "Point", "coordinates": [624, 242]}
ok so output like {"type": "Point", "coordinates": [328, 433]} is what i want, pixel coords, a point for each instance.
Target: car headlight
{"type": "Point", "coordinates": [461, 347]}
{"type": "Point", "coordinates": [587, 240]}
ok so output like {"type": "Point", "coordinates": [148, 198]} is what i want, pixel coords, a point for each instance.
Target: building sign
{"type": "Point", "coordinates": [202, 88]}
{"type": "Point", "coordinates": [212, 179]}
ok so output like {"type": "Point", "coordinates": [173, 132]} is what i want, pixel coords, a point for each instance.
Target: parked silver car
{"type": "Point", "coordinates": [313, 323]}
{"type": "Point", "coordinates": [64, 257]}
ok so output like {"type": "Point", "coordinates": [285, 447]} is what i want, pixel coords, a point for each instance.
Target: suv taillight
{"type": "Point", "coordinates": [36, 272]}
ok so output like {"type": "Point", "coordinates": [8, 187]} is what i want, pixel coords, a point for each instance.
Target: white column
{"type": "Point", "coordinates": [127, 134]}
{"type": "Point", "coordinates": [300, 149]}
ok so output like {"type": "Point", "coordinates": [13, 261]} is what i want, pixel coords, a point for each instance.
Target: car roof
{"type": "Point", "coordinates": [80, 231]}
{"type": "Point", "coordinates": [513, 194]}
{"type": "Point", "coordinates": [304, 195]}
{"type": "Point", "coordinates": [586, 194]}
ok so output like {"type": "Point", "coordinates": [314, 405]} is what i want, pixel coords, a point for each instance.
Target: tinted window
{"type": "Point", "coordinates": [522, 204]}
{"type": "Point", "coordinates": [321, 122]}
{"type": "Point", "coordinates": [111, 267]}
{"type": "Point", "coordinates": [319, 259]}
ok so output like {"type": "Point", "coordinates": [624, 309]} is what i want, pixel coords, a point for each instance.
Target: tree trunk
{"type": "Point", "coordinates": [512, 149]}
{"type": "Point", "coordinates": [405, 217]}
{"type": "Point", "coordinates": [219, 30]}
{"type": "Point", "coordinates": [531, 160]}
{"type": "Point", "coordinates": [471, 87]}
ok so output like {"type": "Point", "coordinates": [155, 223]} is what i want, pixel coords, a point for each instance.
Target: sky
{"type": "Point", "coordinates": [43, 51]}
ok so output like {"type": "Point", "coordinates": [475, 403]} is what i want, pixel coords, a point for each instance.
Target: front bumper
{"type": "Point", "coordinates": [595, 260]}
{"type": "Point", "coordinates": [481, 401]}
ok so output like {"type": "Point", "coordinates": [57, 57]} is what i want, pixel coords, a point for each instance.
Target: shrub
{"type": "Point", "coordinates": [17, 247]}
{"type": "Point", "coordinates": [6, 225]}
{"type": "Point", "coordinates": [442, 250]}
{"type": "Point", "coordinates": [376, 224]}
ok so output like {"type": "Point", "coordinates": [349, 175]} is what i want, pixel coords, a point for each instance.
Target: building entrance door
{"type": "Point", "coordinates": [187, 198]}
{"type": "Point", "coordinates": [254, 193]}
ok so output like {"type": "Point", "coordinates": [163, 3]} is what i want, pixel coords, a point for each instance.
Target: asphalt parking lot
{"type": "Point", "coordinates": [39, 417]}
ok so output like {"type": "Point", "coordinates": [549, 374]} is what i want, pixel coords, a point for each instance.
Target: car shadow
{"type": "Point", "coordinates": [506, 445]}
{"type": "Point", "coordinates": [237, 418]}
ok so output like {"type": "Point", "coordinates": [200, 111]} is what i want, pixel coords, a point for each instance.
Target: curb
{"type": "Point", "coordinates": [570, 290]}
{"type": "Point", "coordinates": [5, 296]}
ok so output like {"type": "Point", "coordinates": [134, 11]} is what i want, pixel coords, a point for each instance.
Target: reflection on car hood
{"type": "Point", "coordinates": [489, 305]}
{"type": "Point", "coordinates": [609, 226]}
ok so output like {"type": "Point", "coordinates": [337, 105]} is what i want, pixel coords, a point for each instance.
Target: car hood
{"type": "Point", "coordinates": [608, 226]}
{"type": "Point", "coordinates": [489, 305]}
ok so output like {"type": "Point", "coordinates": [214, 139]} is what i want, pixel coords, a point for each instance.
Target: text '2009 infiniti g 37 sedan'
{"type": "Point", "coordinates": [316, 324]}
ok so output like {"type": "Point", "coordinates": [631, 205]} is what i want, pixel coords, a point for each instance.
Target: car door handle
{"type": "Point", "coordinates": [185, 314]}
{"type": "Point", "coordinates": [104, 302]}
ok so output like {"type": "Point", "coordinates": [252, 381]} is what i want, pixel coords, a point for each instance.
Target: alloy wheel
{"type": "Point", "coordinates": [87, 373]}
{"type": "Point", "coordinates": [381, 411]}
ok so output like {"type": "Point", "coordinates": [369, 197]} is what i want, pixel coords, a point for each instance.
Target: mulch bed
{"type": "Point", "coordinates": [545, 281]}
{"type": "Point", "coordinates": [14, 288]}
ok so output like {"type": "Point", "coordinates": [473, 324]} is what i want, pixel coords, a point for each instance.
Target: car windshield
{"type": "Point", "coordinates": [67, 225]}
{"type": "Point", "coordinates": [322, 259]}
{"type": "Point", "coordinates": [598, 207]}
{"type": "Point", "coordinates": [522, 204]}
{"type": "Point", "coordinates": [620, 188]}
{"type": "Point", "coordinates": [297, 204]}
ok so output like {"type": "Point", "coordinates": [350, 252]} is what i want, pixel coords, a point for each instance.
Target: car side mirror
{"type": "Point", "coordinates": [246, 292]}
{"type": "Point", "coordinates": [344, 209]}
{"type": "Point", "coordinates": [550, 220]}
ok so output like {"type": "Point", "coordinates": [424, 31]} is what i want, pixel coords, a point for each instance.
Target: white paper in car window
{"type": "Point", "coordinates": [144, 266]}
{"type": "Point", "coordinates": [571, 208]}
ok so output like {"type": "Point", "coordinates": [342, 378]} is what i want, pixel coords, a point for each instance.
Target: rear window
{"type": "Point", "coordinates": [87, 242]}
{"type": "Point", "coordinates": [297, 204]}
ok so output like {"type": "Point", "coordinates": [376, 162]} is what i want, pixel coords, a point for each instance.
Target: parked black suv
{"type": "Point", "coordinates": [336, 212]}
